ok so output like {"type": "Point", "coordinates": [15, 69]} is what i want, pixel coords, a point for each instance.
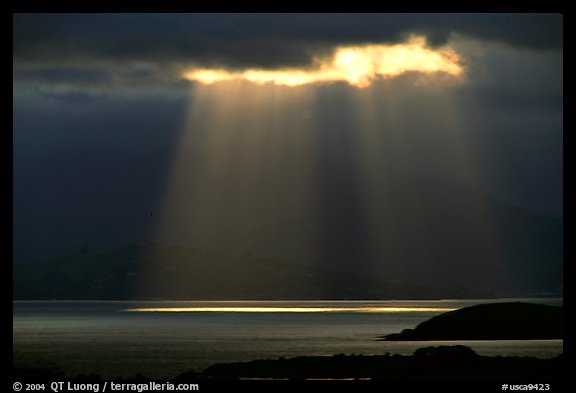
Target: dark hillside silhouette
{"type": "Point", "coordinates": [498, 321]}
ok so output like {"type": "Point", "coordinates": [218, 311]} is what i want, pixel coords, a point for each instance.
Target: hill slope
{"type": "Point", "coordinates": [499, 321]}
{"type": "Point", "coordinates": [147, 272]}
{"type": "Point", "coordinates": [405, 237]}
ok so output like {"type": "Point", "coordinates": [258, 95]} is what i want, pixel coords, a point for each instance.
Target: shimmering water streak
{"type": "Point", "coordinates": [292, 309]}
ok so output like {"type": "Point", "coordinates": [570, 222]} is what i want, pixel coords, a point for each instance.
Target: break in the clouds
{"type": "Point", "coordinates": [358, 66]}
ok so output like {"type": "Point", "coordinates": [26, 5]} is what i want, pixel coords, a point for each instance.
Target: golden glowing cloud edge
{"type": "Point", "coordinates": [292, 309]}
{"type": "Point", "coordinates": [358, 66]}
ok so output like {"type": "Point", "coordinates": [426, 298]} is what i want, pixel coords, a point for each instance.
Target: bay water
{"type": "Point", "coordinates": [160, 339]}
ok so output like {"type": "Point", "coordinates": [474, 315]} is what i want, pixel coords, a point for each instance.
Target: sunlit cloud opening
{"type": "Point", "coordinates": [358, 66]}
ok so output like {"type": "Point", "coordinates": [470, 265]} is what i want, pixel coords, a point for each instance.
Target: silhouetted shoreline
{"type": "Point", "coordinates": [431, 363]}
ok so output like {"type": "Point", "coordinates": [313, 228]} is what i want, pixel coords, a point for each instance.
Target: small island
{"type": "Point", "coordinates": [495, 321]}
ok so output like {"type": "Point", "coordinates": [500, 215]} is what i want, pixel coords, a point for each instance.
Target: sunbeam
{"type": "Point", "coordinates": [301, 172]}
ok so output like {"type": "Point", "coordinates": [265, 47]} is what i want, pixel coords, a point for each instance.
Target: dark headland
{"type": "Point", "coordinates": [496, 321]}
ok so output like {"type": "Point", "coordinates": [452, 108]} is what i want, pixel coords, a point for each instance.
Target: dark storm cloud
{"type": "Point", "coordinates": [515, 81]}
{"type": "Point", "coordinates": [265, 40]}
{"type": "Point", "coordinates": [93, 75]}
{"type": "Point", "coordinates": [64, 74]}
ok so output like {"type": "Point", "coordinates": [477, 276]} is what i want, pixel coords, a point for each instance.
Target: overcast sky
{"type": "Point", "coordinates": [100, 102]}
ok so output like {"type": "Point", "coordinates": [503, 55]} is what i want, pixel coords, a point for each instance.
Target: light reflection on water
{"type": "Point", "coordinates": [292, 309]}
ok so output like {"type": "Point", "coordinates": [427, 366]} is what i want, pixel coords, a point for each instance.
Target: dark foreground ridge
{"type": "Point", "coordinates": [443, 362]}
{"type": "Point", "coordinates": [498, 321]}
{"type": "Point", "coordinates": [431, 363]}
